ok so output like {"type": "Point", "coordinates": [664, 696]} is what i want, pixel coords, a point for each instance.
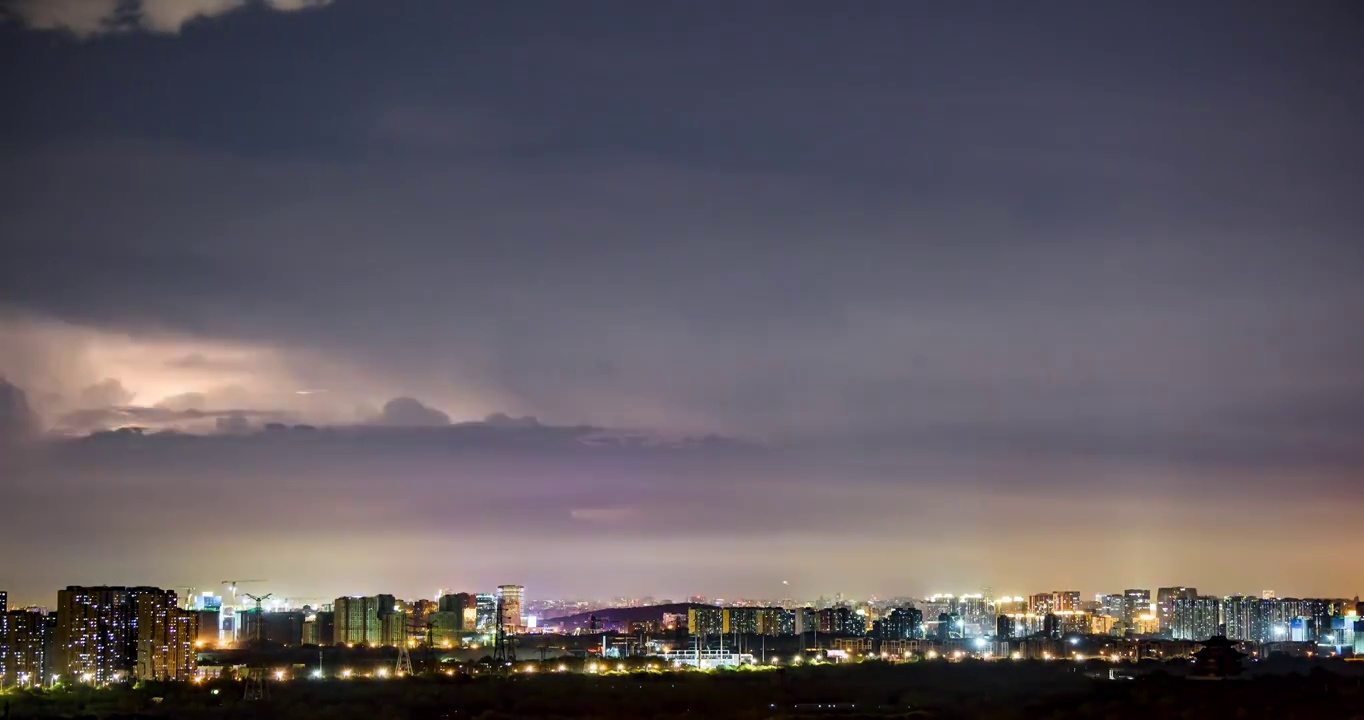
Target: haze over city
{"type": "Point", "coordinates": [624, 299]}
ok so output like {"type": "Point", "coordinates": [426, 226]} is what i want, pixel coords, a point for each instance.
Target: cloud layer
{"type": "Point", "coordinates": [87, 18]}
{"type": "Point", "coordinates": [722, 288]}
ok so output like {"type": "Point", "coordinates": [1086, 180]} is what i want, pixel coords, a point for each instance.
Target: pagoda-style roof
{"type": "Point", "coordinates": [1217, 658]}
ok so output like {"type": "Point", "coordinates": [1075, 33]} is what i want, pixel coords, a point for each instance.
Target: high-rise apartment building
{"type": "Point", "coordinates": [22, 647]}
{"type": "Point", "coordinates": [902, 623]}
{"type": "Point", "coordinates": [1195, 618]}
{"type": "Point", "coordinates": [776, 621]}
{"type": "Point", "coordinates": [1041, 603]}
{"type": "Point", "coordinates": [1165, 606]}
{"type": "Point", "coordinates": [356, 621]}
{"type": "Point", "coordinates": [97, 631]}
{"type": "Point", "coordinates": [743, 620]}
{"type": "Point", "coordinates": [165, 638]}
{"type": "Point", "coordinates": [393, 627]}
{"type": "Point", "coordinates": [1066, 600]}
{"type": "Point", "coordinates": [1246, 617]}
{"type": "Point", "coordinates": [4, 607]}
{"type": "Point", "coordinates": [209, 623]}
{"type": "Point", "coordinates": [319, 628]}
{"type": "Point", "coordinates": [278, 627]}
{"type": "Point", "coordinates": [705, 621]}
{"type": "Point", "coordinates": [511, 598]}
{"type": "Point", "coordinates": [842, 620]}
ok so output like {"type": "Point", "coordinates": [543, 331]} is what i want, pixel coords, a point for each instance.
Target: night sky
{"type": "Point", "coordinates": [629, 298]}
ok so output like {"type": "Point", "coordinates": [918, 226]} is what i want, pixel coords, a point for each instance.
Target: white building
{"type": "Point", "coordinates": [706, 659]}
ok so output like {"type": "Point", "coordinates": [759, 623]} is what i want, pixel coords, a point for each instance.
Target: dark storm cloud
{"type": "Point", "coordinates": [17, 420]}
{"type": "Point", "coordinates": [409, 412]}
{"type": "Point", "coordinates": [972, 261]}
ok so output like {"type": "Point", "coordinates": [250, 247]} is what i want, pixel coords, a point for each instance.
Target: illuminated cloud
{"type": "Point", "coordinates": [81, 377]}
{"type": "Point", "coordinates": [86, 18]}
{"type": "Point", "coordinates": [106, 393]}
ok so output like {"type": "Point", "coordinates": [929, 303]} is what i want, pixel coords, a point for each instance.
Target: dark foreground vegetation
{"type": "Point", "coordinates": [931, 691]}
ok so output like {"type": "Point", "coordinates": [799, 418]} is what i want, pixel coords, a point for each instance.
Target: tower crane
{"type": "Point", "coordinates": [256, 688]}
{"type": "Point", "coordinates": [232, 586]}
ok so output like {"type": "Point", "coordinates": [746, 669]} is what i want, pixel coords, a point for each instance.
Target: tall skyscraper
{"type": "Point", "coordinates": [4, 601]}
{"type": "Point", "coordinates": [511, 597]}
{"type": "Point", "coordinates": [97, 631]}
{"type": "Point", "coordinates": [486, 612]}
{"type": "Point", "coordinates": [1135, 603]}
{"type": "Point", "coordinates": [165, 638]}
{"type": "Point", "coordinates": [1165, 606]}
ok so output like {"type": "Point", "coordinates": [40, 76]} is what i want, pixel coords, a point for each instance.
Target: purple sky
{"type": "Point", "coordinates": [879, 297]}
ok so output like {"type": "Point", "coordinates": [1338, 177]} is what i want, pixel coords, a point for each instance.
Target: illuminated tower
{"type": "Point", "coordinates": [511, 598]}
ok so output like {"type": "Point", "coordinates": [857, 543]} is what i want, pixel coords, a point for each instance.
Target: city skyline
{"type": "Point", "coordinates": [228, 594]}
{"type": "Point", "coordinates": [679, 298]}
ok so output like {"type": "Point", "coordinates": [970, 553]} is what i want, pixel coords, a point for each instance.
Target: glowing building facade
{"type": "Point", "coordinates": [22, 647]}
{"type": "Point", "coordinates": [98, 630]}
{"type": "Point", "coordinates": [512, 598]}
{"type": "Point", "coordinates": [165, 638]}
